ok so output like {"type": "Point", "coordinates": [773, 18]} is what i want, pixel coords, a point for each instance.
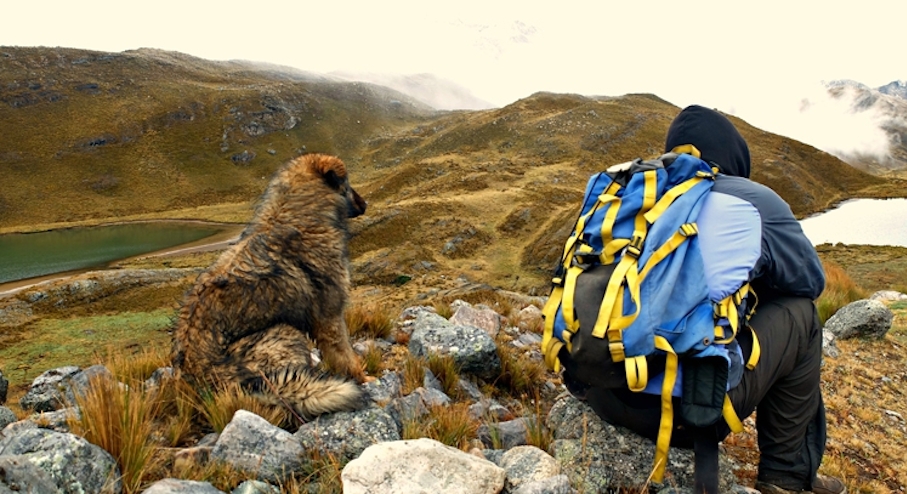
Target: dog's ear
{"type": "Point", "coordinates": [330, 167]}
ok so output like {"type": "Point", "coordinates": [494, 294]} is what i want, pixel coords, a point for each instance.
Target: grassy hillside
{"type": "Point", "coordinates": [89, 134]}
{"type": "Point", "coordinates": [487, 195]}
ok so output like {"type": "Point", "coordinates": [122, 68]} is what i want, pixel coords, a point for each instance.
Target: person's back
{"type": "Point", "coordinates": [748, 230]}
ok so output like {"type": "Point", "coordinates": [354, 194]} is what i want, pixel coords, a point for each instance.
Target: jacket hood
{"type": "Point", "coordinates": [714, 136]}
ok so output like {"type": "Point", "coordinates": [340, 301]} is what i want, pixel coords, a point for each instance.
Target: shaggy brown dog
{"type": "Point", "coordinates": [246, 318]}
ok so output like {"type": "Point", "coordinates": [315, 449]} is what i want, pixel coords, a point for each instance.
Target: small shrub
{"type": "Point", "coordinates": [373, 360]}
{"type": "Point", "coordinates": [840, 290]}
{"type": "Point", "coordinates": [443, 309]}
{"type": "Point", "coordinates": [370, 321]}
{"type": "Point", "coordinates": [413, 373]}
{"type": "Point", "coordinates": [447, 424]}
{"type": "Point", "coordinates": [218, 406]}
{"type": "Point", "coordinates": [119, 419]}
{"type": "Point", "coordinates": [445, 368]}
{"type": "Point", "coordinates": [520, 375]}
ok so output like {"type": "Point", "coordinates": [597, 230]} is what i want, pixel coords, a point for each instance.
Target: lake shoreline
{"type": "Point", "coordinates": [218, 241]}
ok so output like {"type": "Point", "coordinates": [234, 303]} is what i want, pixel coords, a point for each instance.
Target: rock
{"type": "Point", "coordinates": [251, 444]}
{"type": "Point", "coordinates": [863, 318]}
{"type": "Point", "coordinates": [829, 348]}
{"type": "Point", "coordinates": [559, 484]}
{"type": "Point", "coordinates": [57, 388]}
{"type": "Point", "coordinates": [486, 409]}
{"type": "Point", "coordinates": [57, 420]}
{"type": "Point", "coordinates": [6, 417]}
{"type": "Point", "coordinates": [420, 466]}
{"type": "Point", "coordinates": [526, 464]}
{"type": "Point", "coordinates": [176, 486]}
{"type": "Point", "coordinates": [347, 434]}
{"type": "Point", "coordinates": [472, 349]}
{"type": "Point", "coordinates": [469, 389]}
{"type": "Point", "coordinates": [243, 158]}
{"type": "Point", "coordinates": [602, 457]}
{"type": "Point", "coordinates": [18, 474]}
{"type": "Point", "coordinates": [485, 319]}
{"type": "Point", "coordinates": [158, 376]}
{"type": "Point", "coordinates": [888, 296]}
{"type": "Point", "coordinates": [507, 435]}
{"type": "Point", "coordinates": [72, 463]}
{"type": "Point", "coordinates": [45, 394]}
{"type": "Point", "coordinates": [255, 487]}
{"type": "Point", "coordinates": [384, 389]}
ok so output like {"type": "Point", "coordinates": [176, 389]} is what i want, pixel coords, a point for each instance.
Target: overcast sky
{"type": "Point", "coordinates": [764, 61]}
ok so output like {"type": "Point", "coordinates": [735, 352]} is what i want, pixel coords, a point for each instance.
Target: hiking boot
{"type": "Point", "coordinates": [823, 485]}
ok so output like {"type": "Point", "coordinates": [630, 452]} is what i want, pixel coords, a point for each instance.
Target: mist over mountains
{"type": "Point", "coordinates": [866, 127]}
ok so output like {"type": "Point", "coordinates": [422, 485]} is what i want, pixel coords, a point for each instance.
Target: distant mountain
{"type": "Point", "coordinates": [486, 194]}
{"type": "Point", "coordinates": [895, 88]}
{"type": "Point", "coordinates": [888, 106]}
{"type": "Point", "coordinates": [427, 88]}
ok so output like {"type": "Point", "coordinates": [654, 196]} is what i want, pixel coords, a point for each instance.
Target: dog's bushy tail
{"type": "Point", "coordinates": [307, 392]}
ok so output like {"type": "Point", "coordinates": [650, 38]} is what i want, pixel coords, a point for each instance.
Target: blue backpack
{"type": "Point", "coordinates": [630, 298]}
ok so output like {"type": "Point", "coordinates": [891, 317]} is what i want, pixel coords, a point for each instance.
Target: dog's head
{"type": "Point", "coordinates": [333, 171]}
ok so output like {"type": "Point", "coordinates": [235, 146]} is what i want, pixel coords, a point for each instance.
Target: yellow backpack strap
{"type": "Point", "coordinates": [687, 149]}
{"type": "Point", "coordinates": [551, 345]}
{"type": "Point", "coordinates": [637, 373]}
{"type": "Point", "coordinates": [756, 352]}
{"type": "Point", "coordinates": [666, 426]}
{"type": "Point", "coordinates": [727, 309]}
{"type": "Point", "coordinates": [730, 416]}
{"type": "Point", "coordinates": [671, 195]}
{"type": "Point", "coordinates": [685, 231]}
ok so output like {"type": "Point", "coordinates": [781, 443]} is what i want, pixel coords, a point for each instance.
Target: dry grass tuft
{"type": "Point", "coordinates": [445, 368]}
{"type": "Point", "coordinates": [413, 373]}
{"type": "Point", "coordinates": [119, 419]}
{"type": "Point", "coordinates": [217, 407]}
{"type": "Point", "coordinates": [373, 360]}
{"type": "Point", "coordinates": [840, 290]}
{"type": "Point", "coordinates": [448, 424]}
{"type": "Point", "coordinates": [520, 375]}
{"type": "Point", "coordinates": [371, 321]}
{"type": "Point", "coordinates": [536, 433]}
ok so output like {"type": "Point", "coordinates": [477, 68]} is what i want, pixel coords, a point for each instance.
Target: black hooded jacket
{"type": "Point", "coordinates": [783, 261]}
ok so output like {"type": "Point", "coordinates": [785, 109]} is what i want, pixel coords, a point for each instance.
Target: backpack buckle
{"type": "Point", "coordinates": [585, 260]}
{"type": "Point", "coordinates": [634, 249]}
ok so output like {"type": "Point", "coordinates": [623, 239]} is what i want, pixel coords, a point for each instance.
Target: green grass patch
{"type": "Point", "coordinates": [52, 343]}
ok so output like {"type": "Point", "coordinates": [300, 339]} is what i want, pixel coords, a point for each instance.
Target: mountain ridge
{"type": "Point", "coordinates": [485, 194]}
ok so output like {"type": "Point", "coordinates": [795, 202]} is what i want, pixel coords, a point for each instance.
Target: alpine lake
{"type": "Point", "coordinates": [31, 255]}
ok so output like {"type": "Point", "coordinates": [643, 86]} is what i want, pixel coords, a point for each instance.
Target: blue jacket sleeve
{"type": "Point", "coordinates": [787, 263]}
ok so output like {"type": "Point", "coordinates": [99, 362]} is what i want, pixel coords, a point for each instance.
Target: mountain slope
{"type": "Point", "coordinates": [488, 195]}
{"type": "Point", "coordinates": [886, 105]}
{"type": "Point", "coordinates": [88, 134]}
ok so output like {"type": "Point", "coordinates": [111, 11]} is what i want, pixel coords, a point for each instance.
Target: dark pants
{"type": "Point", "coordinates": [784, 387]}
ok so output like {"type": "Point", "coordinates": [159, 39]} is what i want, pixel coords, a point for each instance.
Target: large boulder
{"type": "Point", "coordinates": [420, 466]}
{"type": "Point", "coordinates": [73, 464]}
{"type": "Point", "coordinates": [473, 349]}
{"type": "Point", "coordinates": [347, 434]}
{"type": "Point", "coordinates": [601, 457]}
{"type": "Point", "coordinates": [251, 444]}
{"type": "Point", "coordinates": [57, 388]}
{"type": "Point", "coordinates": [861, 319]}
